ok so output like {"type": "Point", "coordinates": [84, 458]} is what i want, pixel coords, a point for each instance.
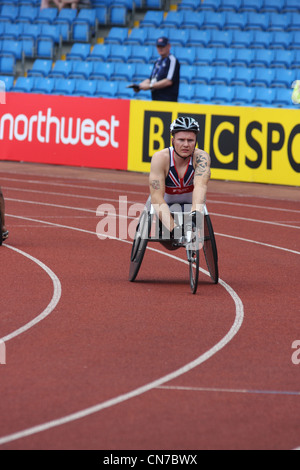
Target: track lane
{"type": "Point", "coordinates": [212, 369]}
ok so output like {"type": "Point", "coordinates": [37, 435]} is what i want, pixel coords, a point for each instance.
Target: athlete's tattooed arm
{"type": "Point", "coordinates": [155, 184]}
{"type": "Point", "coordinates": [202, 176]}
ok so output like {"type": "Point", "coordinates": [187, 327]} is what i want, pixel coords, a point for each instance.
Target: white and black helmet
{"type": "Point", "coordinates": [184, 124]}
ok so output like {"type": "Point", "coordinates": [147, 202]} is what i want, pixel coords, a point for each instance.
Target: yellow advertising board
{"type": "Point", "coordinates": [249, 144]}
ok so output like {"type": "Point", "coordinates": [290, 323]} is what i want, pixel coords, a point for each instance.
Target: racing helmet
{"type": "Point", "coordinates": [184, 124]}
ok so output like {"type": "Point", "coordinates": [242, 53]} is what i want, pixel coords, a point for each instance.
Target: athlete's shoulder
{"type": "Point", "coordinates": [160, 158]}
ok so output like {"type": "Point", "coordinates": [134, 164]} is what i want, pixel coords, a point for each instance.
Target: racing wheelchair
{"type": "Point", "coordinates": [192, 237]}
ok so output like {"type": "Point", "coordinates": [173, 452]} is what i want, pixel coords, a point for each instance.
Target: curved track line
{"type": "Point", "coordinates": [51, 306]}
{"type": "Point", "coordinates": [239, 315]}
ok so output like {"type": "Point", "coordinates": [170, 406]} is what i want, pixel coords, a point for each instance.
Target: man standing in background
{"type": "Point", "coordinates": [164, 80]}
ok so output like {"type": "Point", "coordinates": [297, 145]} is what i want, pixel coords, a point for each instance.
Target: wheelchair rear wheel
{"type": "Point", "coordinates": [210, 250]}
{"type": "Point", "coordinates": [139, 244]}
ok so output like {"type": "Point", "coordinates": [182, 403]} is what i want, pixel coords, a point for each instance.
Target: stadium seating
{"type": "Point", "coordinates": [248, 46]}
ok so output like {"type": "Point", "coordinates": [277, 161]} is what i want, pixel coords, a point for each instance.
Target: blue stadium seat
{"type": "Point", "coordinates": [103, 70]}
{"type": "Point", "coordinates": [44, 49]}
{"type": "Point", "coordinates": [243, 96]}
{"type": "Point", "coordinates": [262, 57]}
{"type": "Point", "coordinates": [203, 75]}
{"type": "Point", "coordinates": [47, 15]}
{"type": "Point", "coordinates": [85, 87]}
{"type": "Point", "coordinates": [81, 32]}
{"type": "Point", "coordinates": [284, 78]}
{"type": "Point", "coordinates": [142, 72]}
{"type": "Point", "coordinates": [263, 96]}
{"type": "Point", "coordinates": [230, 5]}
{"type": "Point", "coordinates": [272, 6]}
{"type": "Point", "coordinates": [203, 94]}
{"type": "Point", "coordinates": [283, 98]}
{"type": "Point", "coordinates": [223, 75]}
{"type": "Point", "coordinates": [186, 93]}
{"type": "Point", "coordinates": [51, 32]}
{"type": "Point", "coordinates": [106, 89]}
{"type": "Point", "coordinates": [7, 65]}
{"type": "Point", "coordinates": [81, 69]}
{"type": "Point", "coordinates": [187, 72]}
{"type": "Point", "coordinates": [102, 14]}
{"type": "Point", "coordinates": [173, 19]}
{"type": "Point", "coordinates": [12, 48]}
{"type": "Point", "coordinates": [152, 18]}
{"type": "Point", "coordinates": [251, 5]}
{"type": "Point", "coordinates": [294, 24]}
{"type": "Point", "coordinates": [235, 20]}
{"type": "Point", "coordinates": [99, 52]}
{"type": "Point", "coordinates": [243, 57]}
{"type": "Point", "coordinates": [192, 19]}
{"type": "Point", "coordinates": [296, 60]}
{"type": "Point", "coordinates": [79, 51]}
{"type": "Point", "coordinates": [116, 35]}
{"type": "Point", "coordinates": [61, 69]}
{"type": "Point", "coordinates": [291, 6]}
{"type": "Point", "coordinates": [178, 37]}
{"type": "Point", "coordinates": [185, 55]}
{"type": "Point", "coordinates": [123, 92]}
{"type": "Point", "coordinates": [281, 40]}
{"type": "Point", "coordinates": [193, 5]}
{"type": "Point", "coordinates": [199, 38]}
{"type": "Point", "coordinates": [155, 4]}
{"type": "Point", "coordinates": [258, 21]}
{"type": "Point", "coordinates": [138, 37]}
{"type": "Point", "coordinates": [279, 21]}
{"type": "Point", "coordinates": [118, 15]}
{"type": "Point", "coordinates": [28, 13]}
{"type": "Point", "coordinates": [224, 56]}
{"type": "Point", "coordinates": [141, 54]}
{"type": "Point", "coordinates": [241, 38]}
{"type": "Point", "coordinates": [87, 16]}
{"type": "Point", "coordinates": [295, 40]}
{"type": "Point", "coordinates": [40, 68]}
{"type": "Point", "coordinates": [24, 84]}
{"type": "Point", "coordinates": [43, 85]}
{"type": "Point", "coordinates": [283, 58]}
{"type": "Point", "coordinates": [9, 12]}
{"type": "Point", "coordinates": [262, 39]}
{"type": "Point", "coordinates": [223, 94]}
{"type": "Point", "coordinates": [64, 86]}
{"type": "Point", "coordinates": [12, 30]}
{"type": "Point", "coordinates": [204, 56]}
{"type": "Point", "coordinates": [243, 76]}
{"type": "Point", "coordinates": [119, 53]}
{"type": "Point", "coordinates": [32, 33]}
{"type": "Point", "coordinates": [124, 72]}
{"type": "Point", "coordinates": [213, 20]}
{"type": "Point", "coordinates": [220, 38]}
{"type": "Point", "coordinates": [263, 77]}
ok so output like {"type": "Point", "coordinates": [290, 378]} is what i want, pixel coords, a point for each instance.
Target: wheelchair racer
{"type": "Point", "coordinates": [179, 175]}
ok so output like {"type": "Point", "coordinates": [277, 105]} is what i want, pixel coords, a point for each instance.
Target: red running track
{"type": "Point", "coordinates": [96, 362]}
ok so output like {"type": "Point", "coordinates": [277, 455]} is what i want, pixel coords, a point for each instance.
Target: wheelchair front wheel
{"type": "Point", "coordinates": [193, 256]}
{"type": "Point", "coordinates": [139, 244]}
{"type": "Point", "coordinates": [1, 228]}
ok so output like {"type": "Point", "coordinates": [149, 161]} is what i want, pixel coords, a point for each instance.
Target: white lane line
{"type": "Point", "coordinates": [59, 206]}
{"type": "Point", "coordinates": [227, 390]}
{"type": "Point", "coordinates": [277, 224]}
{"type": "Point", "coordinates": [51, 306]}
{"type": "Point", "coordinates": [239, 315]}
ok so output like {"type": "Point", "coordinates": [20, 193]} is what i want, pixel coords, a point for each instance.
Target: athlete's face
{"type": "Point", "coordinates": [184, 143]}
